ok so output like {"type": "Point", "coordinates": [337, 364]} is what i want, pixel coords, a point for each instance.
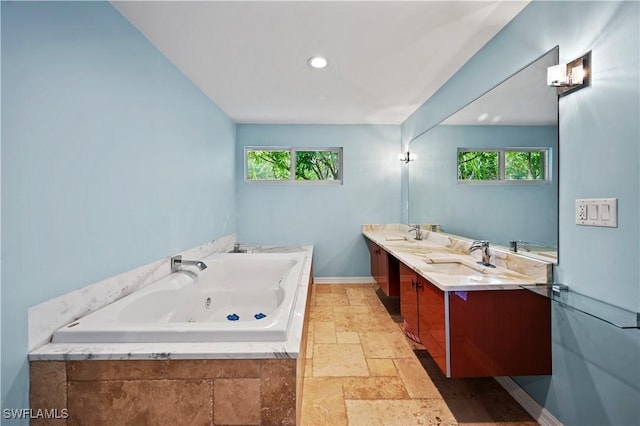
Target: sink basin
{"type": "Point", "coordinates": [455, 268]}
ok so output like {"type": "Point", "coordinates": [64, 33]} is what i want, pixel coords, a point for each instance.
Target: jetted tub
{"type": "Point", "coordinates": [237, 298]}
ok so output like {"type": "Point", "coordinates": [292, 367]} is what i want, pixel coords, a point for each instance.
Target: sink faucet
{"type": "Point", "coordinates": [486, 257]}
{"type": "Point", "coordinates": [513, 245]}
{"type": "Point", "coordinates": [177, 262]}
{"type": "Point", "coordinates": [418, 231]}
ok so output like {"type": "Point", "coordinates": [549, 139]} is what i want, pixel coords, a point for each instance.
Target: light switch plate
{"type": "Point", "coordinates": [597, 212]}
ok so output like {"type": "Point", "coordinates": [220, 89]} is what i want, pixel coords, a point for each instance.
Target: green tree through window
{"type": "Point", "coordinates": [294, 164]}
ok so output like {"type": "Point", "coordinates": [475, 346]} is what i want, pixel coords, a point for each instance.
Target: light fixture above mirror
{"type": "Point", "coordinates": [572, 76]}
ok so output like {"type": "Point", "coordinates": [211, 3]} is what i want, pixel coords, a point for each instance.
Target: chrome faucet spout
{"type": "Point", "coordinates": [486, 256]}
{"type": "Point", "coordinates": [177, 263]}
{"type": "Point", "coordinates": [417, 230]}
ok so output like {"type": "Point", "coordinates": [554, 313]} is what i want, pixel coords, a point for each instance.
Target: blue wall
{"type": "Point", "coordinates": [111, 159]}
{"type": "Point", "coordinates": [328, 216]}
{"type": "Point", "coordinates": [499, 213]}
{"type": "Point", "coordinates": [596, 378]}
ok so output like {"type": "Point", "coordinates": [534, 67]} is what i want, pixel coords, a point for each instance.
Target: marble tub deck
{"type": "Point", "coordinates": [360, 369]}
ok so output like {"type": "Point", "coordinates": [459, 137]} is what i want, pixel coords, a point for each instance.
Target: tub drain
{"type": "Point", "coordinates": [207, 303]}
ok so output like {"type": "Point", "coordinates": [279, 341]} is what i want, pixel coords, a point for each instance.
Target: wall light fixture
{"type": "Point", "coordinates": [407, 156]}
{"type": "Point", "coordinates": [572, 76]}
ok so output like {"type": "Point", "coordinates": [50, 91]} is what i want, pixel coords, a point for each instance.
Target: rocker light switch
{"type": "Point", "coordinates": [597, 212]}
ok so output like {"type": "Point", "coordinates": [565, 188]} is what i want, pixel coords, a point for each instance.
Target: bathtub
{"type": "Point", "coordinates": [238, 298]}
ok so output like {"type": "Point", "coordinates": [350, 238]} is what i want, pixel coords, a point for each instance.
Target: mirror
{"type": "Point", "coordinates": [520, 112]}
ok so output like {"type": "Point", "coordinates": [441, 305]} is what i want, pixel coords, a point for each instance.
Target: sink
{"type": "Point", "coordinates": [454, 268]}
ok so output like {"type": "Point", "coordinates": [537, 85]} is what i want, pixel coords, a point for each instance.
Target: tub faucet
{"type": "Point", "coordinates": [417, 230]}
{"type": "Point", "coordinates": [486, 257]}
{"type": "Point", "coordinates": [177, 263]}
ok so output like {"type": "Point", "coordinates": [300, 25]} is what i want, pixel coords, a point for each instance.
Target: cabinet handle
{"type": "Point", "coordinates": [413, 283]}
{"type": "Point", "coordinates": [418, 284]}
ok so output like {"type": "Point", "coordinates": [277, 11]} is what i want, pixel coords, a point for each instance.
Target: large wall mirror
{"type": "Point", "coordinates": [520, 113]}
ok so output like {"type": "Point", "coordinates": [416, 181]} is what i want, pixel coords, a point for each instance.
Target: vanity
{"type": "Point", "coordinates": [474, 320]}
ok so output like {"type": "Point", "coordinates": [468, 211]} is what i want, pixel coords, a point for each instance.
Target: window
{"type": "Point", "coordinates": [300, 165]}
{"type": "Point", "coordinates": [503, 165]}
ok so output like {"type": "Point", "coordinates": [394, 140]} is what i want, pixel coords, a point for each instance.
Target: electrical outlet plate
{"type": "Point", "coordinates": [597, 212]}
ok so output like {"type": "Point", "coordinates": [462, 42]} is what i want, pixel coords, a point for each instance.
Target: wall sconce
{"type": "Point", "coordinates": [572, 76]}
{"type": "Point", "coordinates": [407, 156]}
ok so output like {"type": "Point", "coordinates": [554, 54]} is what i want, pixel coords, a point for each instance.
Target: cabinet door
{"type": "Point", "coordinates": [432, 321]}
{"type": "Point", "coordinates": [500, 333]}
{"type": "Point", "coordinates": [409, 299]}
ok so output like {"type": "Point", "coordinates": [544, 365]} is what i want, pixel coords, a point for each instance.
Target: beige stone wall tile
{"type": "Point", "coordinates": [116, 370]}
{"type": "Point", "coordinates": [236, 401]}
{"type": "Point", "coordinates": [213, 368]}
{"type": "Point", "coordinates": [140, 402]}
{"type": "Point", "coordinates": [48, 390]}
{"type": "Point", "coordinates": [279, 391]}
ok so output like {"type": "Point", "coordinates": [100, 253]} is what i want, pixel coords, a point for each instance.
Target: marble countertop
{"type": "Point", "coordinates": [445, 261]}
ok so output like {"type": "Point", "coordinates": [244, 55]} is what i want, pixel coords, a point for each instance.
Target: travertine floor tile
{"type": "Point", "coordinates": [321, 313]}
{"type": "Point", "coordinates": [339, 360]}
{"type": "Point", "coordinates": [415, 379]}
{"type": "Point", "coordinates": [469, 410]}
{"type": "Point", "coordinates": [351, 309]}
{"type": "Point", "coordinates": [385, 345]}
{"type": "Point", "coordinates": [364, 322]}
{"type": "Point", "coordinates": [330, 289]}
{"type": "Point", "coordinates": [399, 412]}
{"type": "Point", "coordinates": [323, 402]}
{"type": "Point", "coordinates": [361, 296]}
{"type": "Point", "coordinates": [330, 299]}
{"type": "Point", "coordinates": [373, 388]}
{"type": "Point", "coordinates": [381, 367]}
{"type": "Point", "coordinates": [324, 332]}
{"type": "Point", "coordinates": [347, 337]}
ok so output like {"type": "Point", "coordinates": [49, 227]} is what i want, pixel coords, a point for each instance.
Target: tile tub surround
{"type": "Point", "coordinates": [167, 392]}
{"type": "Point", "coordinates": [226, 391]}
{"type": "Point", "coordinates": [512, 269]}
{"type": "Point", "coordinates": [184, 350]}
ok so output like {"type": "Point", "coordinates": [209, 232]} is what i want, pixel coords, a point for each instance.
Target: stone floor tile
{"type": "Point", "coordinates": [347, 337]}
{"type": "Point", "coordinates": [374, 388]}
{"type": "Point", "coordinates": [324, 332]}
{"type": "Point", "coordinates": [330, 299]}
{"type": "Point", "coordinates": [323, 402]}
{"type": "Point", "coordinates": [364, 322]}
{"type": "Point", "coordinates": [321, 313]}
{"type": "Point", "coordinates": [469, 411]}
{"type": "Point", "coordinates": [399, 412]}
{"type": "Point", "coordinates": [381, 367]}
{"type": "Point", "coordinates": [385, 345]}
{"type": "Point", "coordinates": [415, 379]}
{"type": "Point", "coordinates": [351, 309]}
{"type": "Point", "coordinates": [339, 360]}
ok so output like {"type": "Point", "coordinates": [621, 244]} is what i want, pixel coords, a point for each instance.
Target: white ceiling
{"type": "Point", "coordinates": [386, 58]}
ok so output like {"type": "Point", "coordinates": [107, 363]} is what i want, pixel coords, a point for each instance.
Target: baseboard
{"type": "Point", "coordinates": [343, 280]}
{"type": "Point", "coordinates": [540, 414]}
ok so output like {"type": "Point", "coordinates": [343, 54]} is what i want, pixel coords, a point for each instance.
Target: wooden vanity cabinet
{"type": "Point", "coordinates": [478, 333]}
{"type": "Point", "coordinates": [384, 269]}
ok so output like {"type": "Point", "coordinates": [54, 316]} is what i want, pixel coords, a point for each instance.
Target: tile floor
{"type": "Point", "coordinates": [361, 370]}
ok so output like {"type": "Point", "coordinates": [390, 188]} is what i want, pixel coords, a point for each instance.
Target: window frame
{"type": "Point", "coordinates": [546, 153]}
{"type": "Point", "coordinates": [292, 170]}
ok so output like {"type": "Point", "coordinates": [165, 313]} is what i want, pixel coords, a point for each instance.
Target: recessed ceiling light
{"type": "Point", "coordinates": [317, 62]}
